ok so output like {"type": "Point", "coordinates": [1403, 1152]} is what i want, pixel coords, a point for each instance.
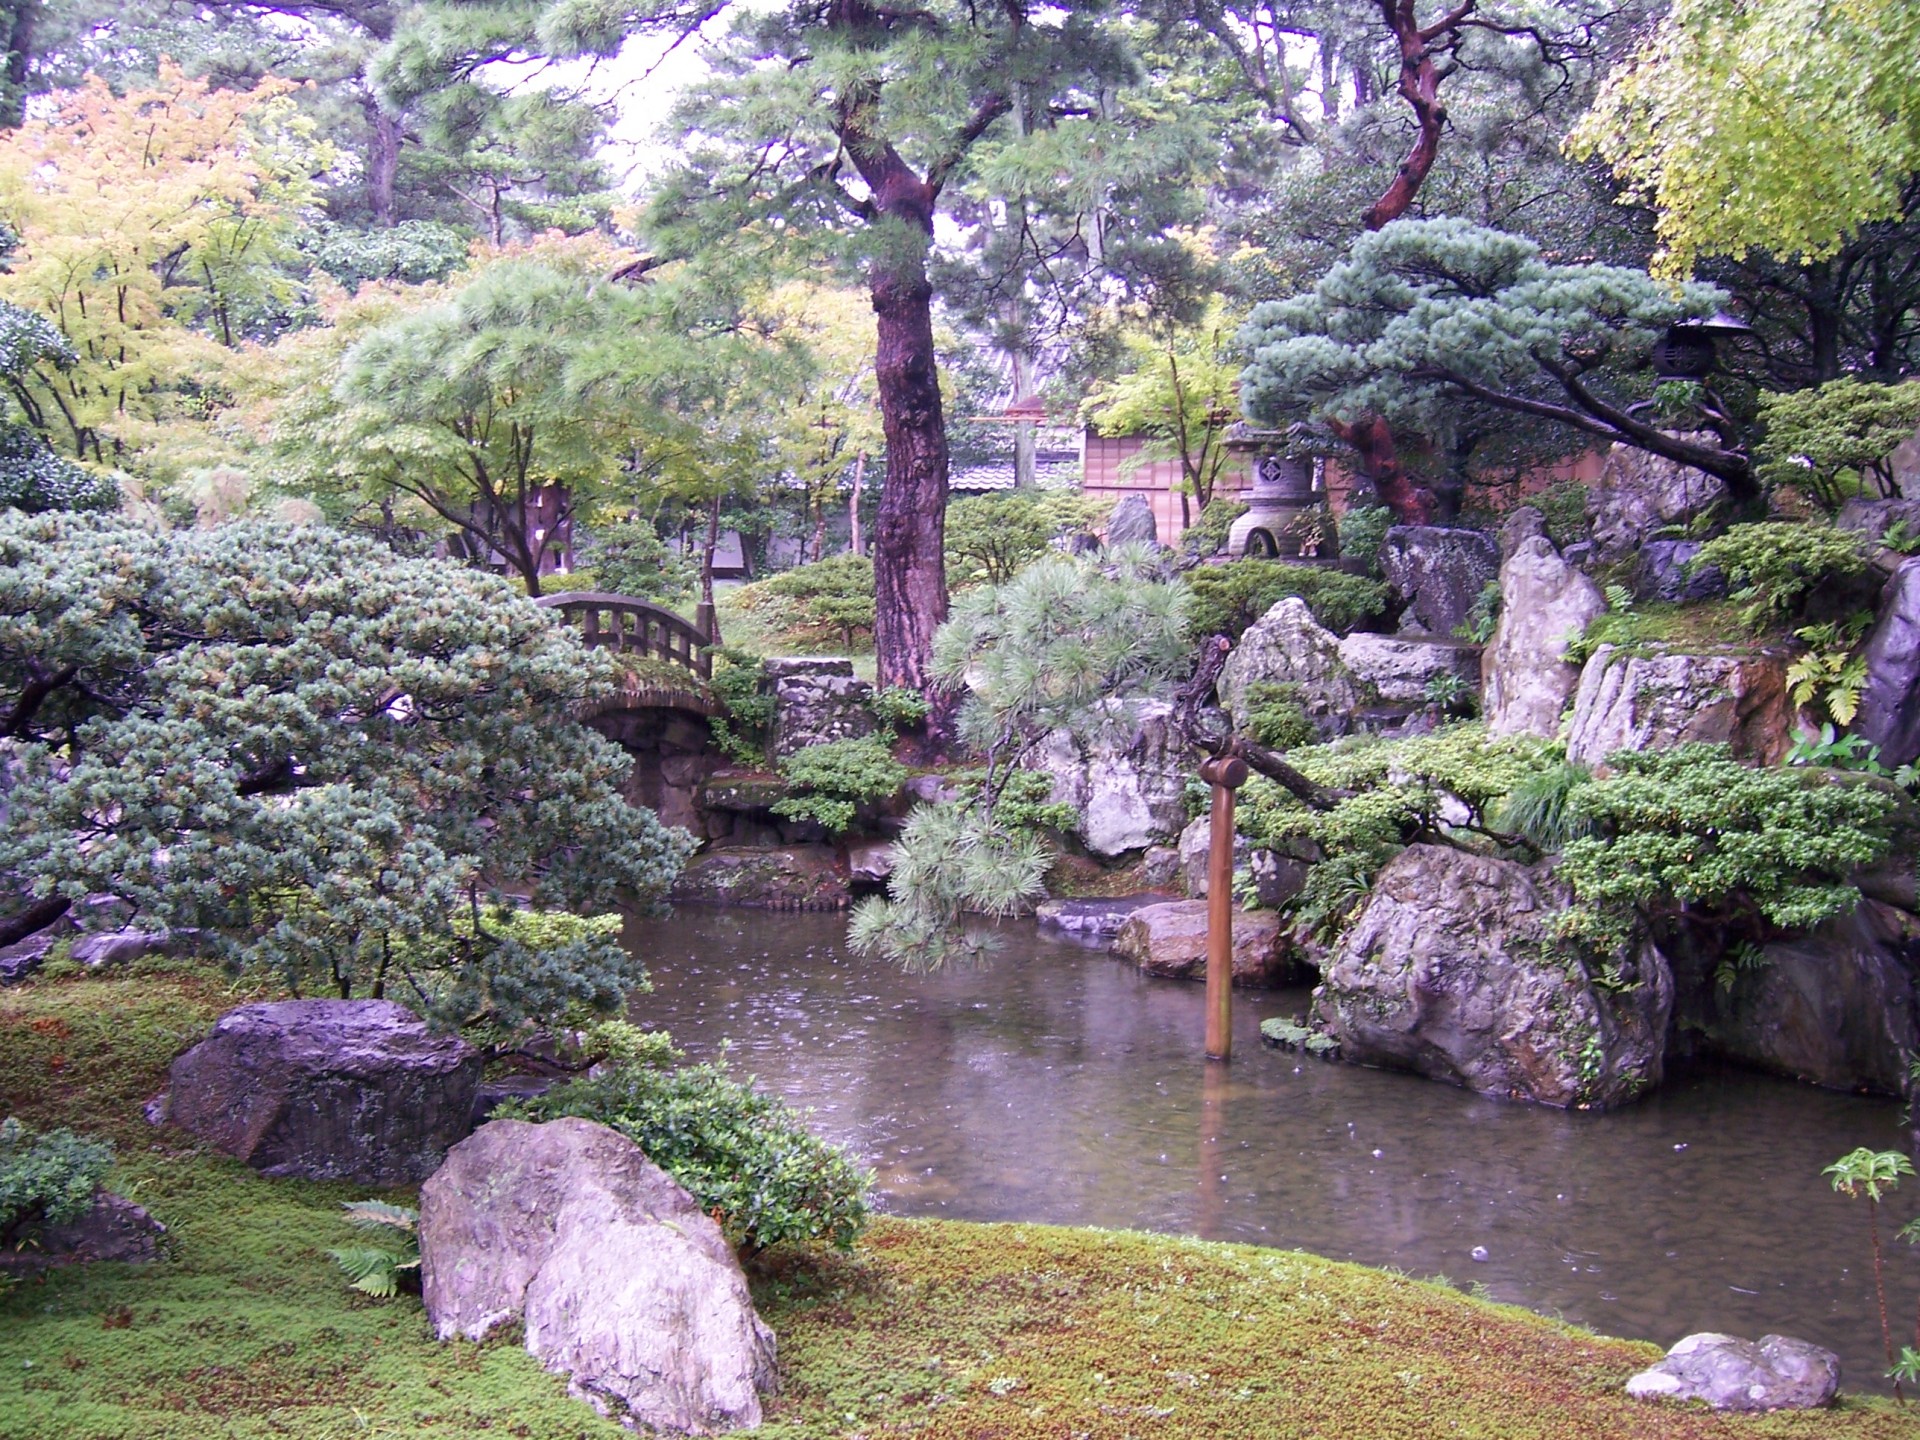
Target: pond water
{"type": "Point", "coordinates": [1061, 1086]}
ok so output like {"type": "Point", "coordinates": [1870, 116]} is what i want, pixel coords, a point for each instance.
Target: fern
{"type": "Point", "coordinates": [379, 1270]}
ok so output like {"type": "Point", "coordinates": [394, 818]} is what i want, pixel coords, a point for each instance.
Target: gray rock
{"type": "Point", "coordinates": [1131, 523]}
{"type": "Point", "coordinates": [1544, 603]}
{"type": "Point", "coordinates": [1522, 525]}
{"type": "Point", "coordinates": [1450, 971]}
{"type": "Point", "coordinates": [1272, 878]}
{"type": "Point", "coordinates": [1091, 920]}
{"type": "Point", "coordinates": [1639, 493]}
{"type": "Point", "coordinates": [1438, 573]}
{"type": "Point", "coordinates": [1195, 843]}
{"type": "Point", "coordinates": [1288, 646]}
{"type": "Point", "coordinates": [621, 1282]}
{"type": "Point", "coordinates": [793, 877]}
{"type": "Point", "coordinates": [1905, 464]}
{"type": "Point", "coordinates": [815, 701]}
{"type": "Point", "coordinates": [869, 862]}
{"type": "Point", "coordinates": [1170, 940]}
{"type": "Point", "coordinates": [115, 1229]}
{"type": "Point", "coordinates": [1402, 668]}
{"type": "Point", "coordinates": [1779, 1373]}
{"type": "Point", "coordinates": [1889, 714]}
{"type": "Point", "coordinates": [1836, 1007]}
{"type": "Point", "coordinates": [1160, 867]}
{"type": "Point", "coordinates": [1125, 775]}
{"type": "Point", "coordinates": [1664, 573]}
{"type": "Point", "coordinates": [120, 947]}
{"type": "Point", "coordinates": [20, 959]}
{"type": "Point", "coordinates": [492, 1094]}
{"type": "Point", "coordinates": [930, 789]}
{"type": "Point", "coordinates": [354, 1090]}
{"type": "Point", "coordinates": [1654, 701]}
{"type": "Point", "coordinates": [1873, 518]}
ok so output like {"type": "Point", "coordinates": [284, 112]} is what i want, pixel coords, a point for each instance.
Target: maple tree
{"type": "Point", "coordinates": [151, 228]}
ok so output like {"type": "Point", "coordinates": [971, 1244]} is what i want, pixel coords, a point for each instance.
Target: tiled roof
{"type": "Point", "coordinates": [998, 475]}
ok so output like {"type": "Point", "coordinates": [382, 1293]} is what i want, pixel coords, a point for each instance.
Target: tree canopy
{"type": "Point", "coordinates": [330, 763]}
{"type": "Point", "coordinates": [1780, 125]}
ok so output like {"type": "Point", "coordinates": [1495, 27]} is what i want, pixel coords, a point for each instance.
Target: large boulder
{"type": "Point", "coordinates": [1451, 970]}
{"type": "Point", "coordinates": [1404, 669]}
{"type": "Point", "coordinates": [1778, 1373]}
{"type": "Point", "coordinates": [1873, 518]}
{"type": "Point", "coordinates": [19, 960]}
{"type": "Point", "coordinates": [1838, 1007]}
{"type": "Point", "coordinates": [1438, 574]}
{"type": "Point", "coordinates": [1170, 940]}
{"type": "Point", "coordinates": [1889, 714]}
{"type": "Point", "coordinates": [1639, 493]}
{"type": "Point", "coordinates": [355, 1090]}
{"type": "Point", "coordinates": [1131, 522]}
{"type": "Point", "coordinates": [1544, 604]}
{"type": "Point", "coordinates": [1658, 698]}
{"type": "Point", "coordinates": [619, 1279]}
{"type": "Point", "coordinates": [816, 701]}
{"type": "Point", "coordinates": [1125, 775]}
{"type": "Point", "coordinates": [794, 877]}
{"type": "Point", "coordinates": [1288, 646]}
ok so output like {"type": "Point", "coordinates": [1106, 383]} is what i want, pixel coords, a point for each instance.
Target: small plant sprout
{"type": "Point", "coordinates": [379, 1270]}
{"type": "Point", "coordinates": [1874, 1173]}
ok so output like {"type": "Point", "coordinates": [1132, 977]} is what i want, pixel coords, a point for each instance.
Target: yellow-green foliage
{"type": "Point", "coordinates": [944, 1331]}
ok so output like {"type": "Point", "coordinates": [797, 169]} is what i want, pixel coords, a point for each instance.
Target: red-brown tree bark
{"type": "Point", "coordinates": [1419, 85]}
{"type": "Point", "coordinates": [1379, 457]}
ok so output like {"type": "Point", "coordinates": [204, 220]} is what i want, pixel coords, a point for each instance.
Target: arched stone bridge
{"type": "Point", "coordinates": [661, 723]}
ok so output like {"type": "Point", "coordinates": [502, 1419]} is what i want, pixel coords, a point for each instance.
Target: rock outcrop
{"type": "Point", "coordinates": [1170, 940]}
{"type": "Point", "coordinates": [19, 960]}
{"type": "Point", "coordinates": [1778, 1373]}
{"type": "Point", "coordinates": [1639, 493]}
{"type": "Point", "coordinates": [1665, 571]}
{"type": "Point", "coordinates": [619, 1279]}
{"type": "Point", "coordinates": [1094, 921]}
{"type": "Point", "coordinates": [1450, 971]}
{"type": "Point", "coordinates": [1288, 646]}
{"type": "Point", "coordinates": [1437, 574]}
{"type": "Point", "coordinates": [355, 1090]}
{"type": "Point", "coordinates": [1125, 777]}
{"type": "Point", "coordinates": [795, 877]}
{"type": "Point", "coordinates": [1131, 522]}
{"type": "Point", "coordinates": [1544, 604]}
{"type": "Point", "coordinates": [1655, 699]}
{"type": "Point", "coordinates": [1404, 669]}
{"type": "Point", "coordinates": [115, 1229]}
{"type": "Point", "coordinates": [1836, 1007]}
{"type": "Point", "coordinates": [1889, 714]}
{"type": "Point", "coordinates": [816, 701]}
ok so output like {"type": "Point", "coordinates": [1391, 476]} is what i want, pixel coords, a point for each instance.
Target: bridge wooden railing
{"type": "Point", "coordinates": [634, 627]}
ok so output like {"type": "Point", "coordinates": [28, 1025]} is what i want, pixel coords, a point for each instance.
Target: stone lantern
{"type": "Point", "coordinates": [1281, 505]}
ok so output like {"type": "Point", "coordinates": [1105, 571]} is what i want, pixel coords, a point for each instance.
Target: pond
{"type": "Point", "coordinates": [1061, 1086]}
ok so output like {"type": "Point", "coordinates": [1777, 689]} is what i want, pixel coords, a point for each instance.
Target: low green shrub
{"type": "Point", "coordinates": [739, 685]}
{"type": "Point", "coordinates": [1776, 566]}
{"type": "Point", "coordinates": [1742, 848]}
{"type": "Point", "coordinates": [990, 538]}
{"type": "Point", "coordinates": [1228, 598]}
{"type": "Point", "coordinates": [830, 781]}
{"type": "Point", "coordinates": [1834, 442]}
{"type": "Point", "coordinates": [1276, 717]}
{"type": "Point", "coordinates": [829, 597]}
{"type": "Point", "coordinates": [1207, 536]}
{"type": "Point", "coordinates": [1563, 505]}
{"type": "Point", "coordinates": [898, 708]}
{"type": "Point", "coordinates": [745, 1156]}
{"type": "Point", "coordinates": [46, 1178]}
{"type": "Point", "coordinates": [1363, 530]}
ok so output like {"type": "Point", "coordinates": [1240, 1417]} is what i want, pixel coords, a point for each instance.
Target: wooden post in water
{"type": "Point", "coordinates": [1225, 774]}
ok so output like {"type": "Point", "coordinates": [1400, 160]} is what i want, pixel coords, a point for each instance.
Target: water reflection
{"type": "Point", "coordinates": [1061, 1086]}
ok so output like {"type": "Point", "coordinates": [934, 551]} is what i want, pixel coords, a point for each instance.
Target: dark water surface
{"type": "Point", "coordinates": [1060, 1086]}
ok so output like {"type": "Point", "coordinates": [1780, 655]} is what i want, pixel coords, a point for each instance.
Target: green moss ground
{"type": "Point", "coordinates": [930, 1328]}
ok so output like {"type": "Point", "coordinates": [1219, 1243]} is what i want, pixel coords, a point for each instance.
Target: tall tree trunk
{"type": "Point", "coordinates": [1372, 441]}
{"type": "Point", "coordinates": [853, 505]}
{"type": "Point", "coordinates": [383, 161]}
{"type": "Point", "coordinates": [20, 19]}
{"type": "Point", "coordinates": [1420, 87]}
{"type": "Point", "coordinates": [909, 533]}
